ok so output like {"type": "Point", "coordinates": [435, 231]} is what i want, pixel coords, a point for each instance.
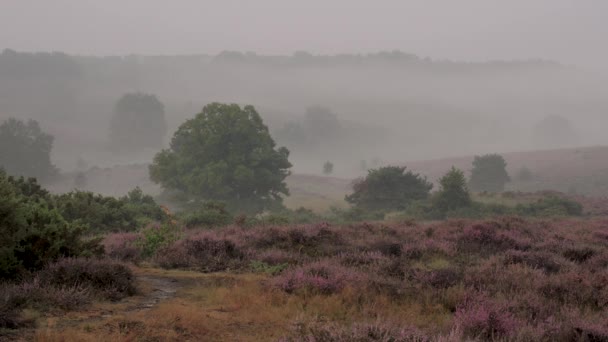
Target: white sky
{"type": "Point", "coordinates": [570, 31]}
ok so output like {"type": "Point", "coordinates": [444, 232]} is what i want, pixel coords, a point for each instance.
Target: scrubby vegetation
{"type": "Point", "coordinates": [401, 263]}
{"type": "Point", "coordinates": [503, 279]}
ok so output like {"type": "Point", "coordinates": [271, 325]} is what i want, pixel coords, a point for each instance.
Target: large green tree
{"type": "Point", "coordinates": [489, 173]}
{"type": "Point", "coordinates": [25, 150]}
{"type": "Point", "coordinates": [389, 188]}
{"type": "Point", "coordinates": [225, 153]}
{"type": "Point", "coordinates": [138, 122]}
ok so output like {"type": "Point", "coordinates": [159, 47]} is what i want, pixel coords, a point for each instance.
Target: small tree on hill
{"type": "Point", "coordinates": [489, 173]}
{"type": "Point", "coordinates": [328, 168]}
{"type": "Point", "coordinates": [226, 154]}
{"type": "Point", "coordinates": [25, 150]}
{"type": "Point", "coordinates": [453, 193]}
{"type": "Point", "coordinates": [390, 188]}
{"type": "Point", "coordinates": [138, 122]}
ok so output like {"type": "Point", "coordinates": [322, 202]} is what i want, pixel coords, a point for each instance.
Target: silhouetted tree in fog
{"type": "Point", "coordinates": [138, 123]}
{"type": "Point", "coordinates": [25, 150]}
{"type": "Point", "coordinates": [328, 168]}
{"type": "Point", "coordinates": [489, 173]}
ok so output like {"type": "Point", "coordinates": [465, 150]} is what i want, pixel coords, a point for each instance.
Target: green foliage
{"type": "Point", "coordinates": [138, 122]}
{"type": "Point", "coordinates": [453, 194]}
{"type": "Point", "coordinates": [328, 168]}
{"type": "Point", "coordinates": [210, 214]}
{"type": "Point", "coordinates": [551, 206]}
{"type": "Point", "coordinates": [388, 188]}
{"type": "Point", "coordinates": [157, 236]}
{"type": "Point", "coordinates": [262, 267]}
{"type": "Point", "coordinates": [25, 150]}
{"type": "Point", "coordinates": [109, 214]}
{"type": "Point", "coordinates": [225, 153]}
{"type": "Point", "coordinates": [489, 173]}
{"type": "Point", "coordinates": [32, 231]}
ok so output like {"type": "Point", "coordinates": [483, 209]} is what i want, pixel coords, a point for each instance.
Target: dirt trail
{"type": "Point", "coordinates": [162, 288]}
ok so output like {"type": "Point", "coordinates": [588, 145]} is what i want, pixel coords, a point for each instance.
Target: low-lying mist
{"type": "Point", "coordinates": [357, 111]}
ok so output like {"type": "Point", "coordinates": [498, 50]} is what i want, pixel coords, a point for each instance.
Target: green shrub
{"type": "Point", "coordinates": [109, 214]}
{"type": "Point", "coordinates": [33, 232]}
{"type": "Point", "coordinates": [210, 214]}
{"type": "Point", "coordinates": [157, 236]}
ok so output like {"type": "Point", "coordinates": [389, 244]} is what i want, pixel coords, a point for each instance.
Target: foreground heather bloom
{"type": "Point", "coordinates": [122, 246]}
{"type": "Point", "coordinates": [325, 277]}
{"type": "Point", "coordinates": [479, 317]}
{"type": "Point", "coordinates": [361, 332]}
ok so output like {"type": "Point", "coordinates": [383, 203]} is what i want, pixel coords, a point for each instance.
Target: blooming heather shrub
{"type": "Point", "coordinates": [324, 277]}
{"type": "Point", "coordinates": [441, 278]}
{"type": "Point", "coordinates": [36, 294]}
{"type": "Point", "coordinates": [579, 254]}
{"type": "Point", "coordinates": [481, 318]}
{"type": "Point", "coordinates": [277, 257]}
{"type": "Point", "coordinates": [569, 288]}
{"type": "Point", "coordinates": [537, 260]}
{"type": "Point", "coordinates": [312, 240]}
{"type": "Point", "coordinates": [122, 246]}
{"type": "Point", "coordinates": [362, 259]}
{"type": "Point", "coordinates": [362, 332]}
{"type": "Point", "coordinates": [204, 251]}
{"type": "Point", "coordinates": [484, 238]}
{"type": "Point", "coordinates": [103, 278]}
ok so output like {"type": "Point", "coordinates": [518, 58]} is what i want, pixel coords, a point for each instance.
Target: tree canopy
{"type": "Point", "coordinates": [138, 122]}
{"type": "Point", "coordinates": [453, 193]}
{"type": "Point", "coordinates": [489, 173]}
{"type": "Point", "coordinates": [225, 153]}
{"type": "Point", "coordinates": [25, 150]}
{"type": "Point", "coordinates": [389, 188]}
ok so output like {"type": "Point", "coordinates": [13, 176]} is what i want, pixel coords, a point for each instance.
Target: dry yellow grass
{"type": "Point", "coordinates": [228, 307]}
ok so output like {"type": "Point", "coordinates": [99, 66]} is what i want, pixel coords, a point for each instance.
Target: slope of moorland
{"type": "Point", "coordinates": [507, 279]}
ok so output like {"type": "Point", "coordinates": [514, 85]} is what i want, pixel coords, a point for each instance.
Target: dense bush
{"type": "Point", "coordinates": [210, 214]}
{"type": "Point", "coordinates": [64, 285]}
{"type": "Point", "coordinates": [389, 188]}
{"type": "Point", "coordinates": [104, 280]}
{"type": "Point", "coordinates": [155, 237]}
{"type": "Point", "coordinates": [204, 251]}
{"type": "Point", "coordinates": [32, 232]}
{"type": "Point", "coordinates": [322, 277]}
{"type": "Point", "coordinates": [109, 214]}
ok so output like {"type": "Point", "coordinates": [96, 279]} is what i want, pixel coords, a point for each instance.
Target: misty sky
{"type": "Point", "coordinates": [570, 31]}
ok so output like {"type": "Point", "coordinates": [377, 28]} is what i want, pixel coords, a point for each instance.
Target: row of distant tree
{"type": "Point", "coordinates": [227, 153]}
